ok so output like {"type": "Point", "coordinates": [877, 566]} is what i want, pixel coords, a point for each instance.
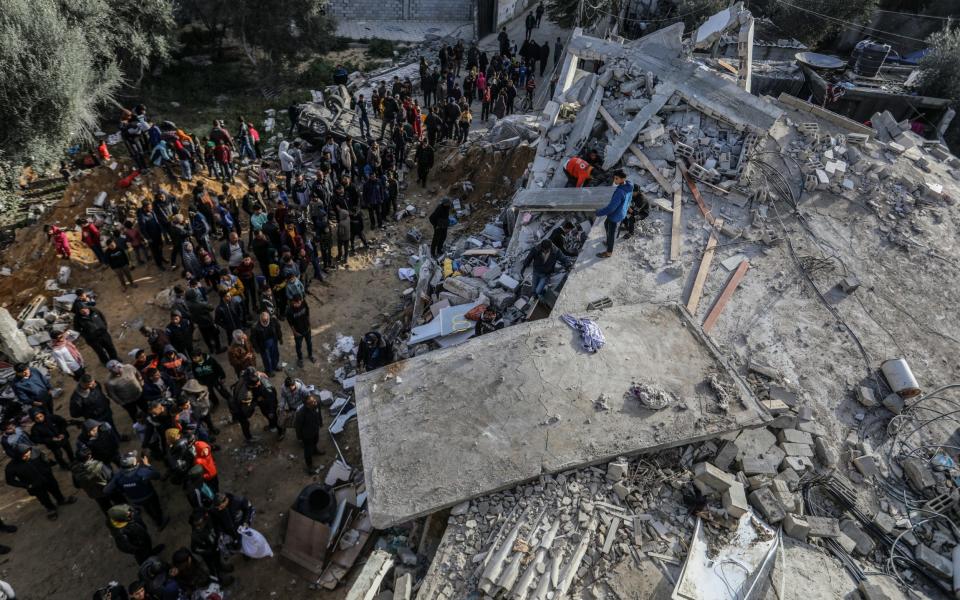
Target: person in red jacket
{"type": "Point", "coordinates": [61, 244]}
{"type": "Point", "coordinates": [204, 458]}
{"type": "Point", "coordinates": [91, 237]}
{"type": "Point", "coordinates": [578, 171]}
{"type": "Point", "coordinates": [223, 155]}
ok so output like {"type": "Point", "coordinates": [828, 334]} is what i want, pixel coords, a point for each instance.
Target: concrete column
{"type": "Point", "coordinates": [13, 342]}
{"type": "Point", "coordinates": [745, 52]}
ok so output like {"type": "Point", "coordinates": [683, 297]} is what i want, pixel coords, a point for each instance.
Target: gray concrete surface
{"type": "Point", "coordinates": [504, 408]}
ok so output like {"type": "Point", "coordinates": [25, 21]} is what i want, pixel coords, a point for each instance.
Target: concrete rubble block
{"type": "Point", "coordinates": [13, 342]}
{"type": "Point", "coordinates": [885, 523]}
{"type": "Point", "coordinates": [621, 490]}
{"type": "Point", "coordinates": [754, 443]}
{"type": "Point", "coordinates": [735, 500]}
{"type": "Point", "coordinates": [796, 526]}
{"type": "Point", "coordinates": [918, 473]}
{"type": "Point", "coordinates": [866, 397]}
{"type": "Point", "coordinates": [402, 587]}
{"type": "Point", "coordinates": [825, 454]}
{"type": "Point", "coordinates": [867, 465]}
{"type": "Point", "coordinates": [790, 477]}
{"type": "Point", "coordinates": [879, 587]}
{"type": "Point", "coordinates": [797, 449]}
{"type": "Point", "coordinates": [758, 481]}
{"type": "Point", "coordinates": [938, 564]}
{"type": "Point", "coordinates": [794, 436]}
{"type": "Point", "coordinates": [797, 463]}
{"type": "Point", "coordinates": [863, 543]}
{"type": "Point", "coordinates": [758, 466]}
{"type": "Point", "coordinates": [766, 503]}
{"type": "Point", "coordinates": [823, 527]}
{"type": "Point", "coordinates": [788, 500]}
{"type": "Point", "coordinates": [508, 282]}
{"type": "Point", "coordinates": [617, 470]}
{"type": "Point", "coordinates": [894, 403]}
{"type": "Point", "coordinates": [763, 369]}
{"type": "Point", "coordinates": [726, 455]}
{"type": "Point", "coordinates": [713, 477]}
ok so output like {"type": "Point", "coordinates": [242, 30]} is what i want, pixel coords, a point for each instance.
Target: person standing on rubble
{"type": "Point", "coordinates": [544, 259]}
{"type": "Point", "coordinates": [616, 210]}
{"type": "Point", "coordinates": [92, 325]}
{"type": "Point", "coordinates": [440, 220]}
{"type": "Point", "coordinates": [307, 422]}
{"type": "Point", "coordinates": [425, 157]}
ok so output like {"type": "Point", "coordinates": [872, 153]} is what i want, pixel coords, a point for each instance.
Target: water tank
{"type": "Point", "coordinates": [317, 502]}
{"type": "Point", "coordinates": [868, 57]}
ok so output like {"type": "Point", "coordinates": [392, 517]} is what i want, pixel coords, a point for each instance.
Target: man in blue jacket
{"type": "Point", "coordinates": [32, 388]}
{"type": "Point", "coordinates": [616, 210]}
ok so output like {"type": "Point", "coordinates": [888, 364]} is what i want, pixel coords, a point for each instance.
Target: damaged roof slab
{"type": "Point", "coordinates": [458, 423]}
{"type": "Point", "coordinates": [563, 199]}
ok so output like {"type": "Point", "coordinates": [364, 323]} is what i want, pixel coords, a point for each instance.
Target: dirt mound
{"type": "Point", "coordinates": [31, 258]}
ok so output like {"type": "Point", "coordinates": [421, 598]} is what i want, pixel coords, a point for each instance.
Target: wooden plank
{"type": "Point", "coordinates": [704, 209]}
{"type": "Point", "coordinates": [676, 232]}
{"type": "Point", "coordinates": [649, 166]}
{"type": "Point", "coordinates": [368, 581]}
{"type": "Point", "coordinates": [697, 291]}
{"type": "Point", "coordinates": [725, 296]}
{"type": "Point", "coordinates": [728, 66]}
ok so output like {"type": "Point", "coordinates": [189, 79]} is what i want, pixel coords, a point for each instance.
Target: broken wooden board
{"type": "Point", "coordinates": [368, 581]}
{"type": "Point", "coordinates": [636, 151]}
{"type": "Point", "coordinates": [697, 291]}
{"type": "Point", "coordinates": [628, 134]}
{"type": "Point", "coordinates": [676, 231]}
{"type": "Point", "coordinates": [725, 296]}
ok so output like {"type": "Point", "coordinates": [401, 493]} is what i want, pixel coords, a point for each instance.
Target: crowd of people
{"type": "Point", "coordinates": [247, 264]}
{"type": "Point", "coordinates": [247, 256]}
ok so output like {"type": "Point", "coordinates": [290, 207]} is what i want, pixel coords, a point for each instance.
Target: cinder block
{"type": "Point", "coordinates": [767, 505]}
{"type": "Point", "coordinates": [796, 527]}
{"type": "Point", "coordinates": [863, 542]}
{"type": "Point", "coordinates": [735, 500]}
{"type": "Point", "coordinates": [797, 449]}
{"type": "Point", "coordinates": [867, 465]}
{"type": "Point", "coordinates": [936, 562]}
{"type": "Point", "coordinates": [712, 476]}
{"type": "Point", "coordinates": [823, 527]}
{"type": "Point", "coordinates": [795, 436]}
{"type": "Point", "coordinates": [726, 455]}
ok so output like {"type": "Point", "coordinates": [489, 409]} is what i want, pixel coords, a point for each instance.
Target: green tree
{"type": "Point", "coordinates": [814, 22]}
{"type": "Point", "coordinates": [283, 29]}
{"type": "Point", "coordinates": [940, 68]}
{"type": "Point", "coordinates": [51, 81]}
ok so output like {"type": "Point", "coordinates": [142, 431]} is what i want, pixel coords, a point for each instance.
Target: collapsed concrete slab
{"type": "Point", "coordinates": [13, 342]}
{"type": "Point", "coordinates": [563, 199]}
{"type": "Point", "coordinates": [454, 424]}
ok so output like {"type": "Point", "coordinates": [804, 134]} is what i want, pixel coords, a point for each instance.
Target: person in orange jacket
{"type": "Point", "coordinates": [578, 171]}
{"type": "Point", "coordinates": [204, 458]}
{"type": "Point", "coordinates": [61, 244]}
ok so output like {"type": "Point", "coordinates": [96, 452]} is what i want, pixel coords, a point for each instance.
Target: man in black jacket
{"type": "Point", "coordinates": [101, 440]}
{"type": "Point", "coordinates": [544, 258]}
{"type": "Point", "coordinates": [51, 431]}
{"type": "Point", "coordinates": [202, 314]}
{"type": "Point", "coordinates": [264, 396]}
{"type": "Point", "coordinates": [307, 422]}
{"type": "Point", "coordinates": [92, 325]}
{"type": "Point", "coordinates": [440, 219]}
{"type": "Point", "coordinates": [205, 542]}
{"type": "Point", "coordinates": [118, 260]}
{"type": "Point", "coordinates": [130, 533]}
{"type": "Point", "coordinates": [298, 315]}
{"type": "Point", "coordinates": [180, 333]}
{"type": "Point", "coordinates": [266, 337]}
{"type": "Point", "coordinates": [31, 472]}
{"type": "Point", "coordinates": [89, 402]}
{"type": "Point", "coordinates": [424, 158]}
{"type": "Point", "coordinates": [229, 513]}
{"type": "Point", "coordinates": [208, 372]}
{"type": "Point", "coordinates": [374, 352]}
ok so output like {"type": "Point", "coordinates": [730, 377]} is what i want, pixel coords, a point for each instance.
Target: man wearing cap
{"type": "Point", "coordinates": [134, 482]}
{"type": "Point", "coordinates": [125, 387]}
{"type": "Point", "coordinates": [30, 471]}
{"type": "Point", "coordinates": [205, 542]}
{"type": "Point", "coordinates": [32, 388]}
{"type": "Point", "coordinates": [255, 388]}
{"type": "Point", "coordinates": [229, 513]}
{"type": "Point", "coordinates": [130, 533]}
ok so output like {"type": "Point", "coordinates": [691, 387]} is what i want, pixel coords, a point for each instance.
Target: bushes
{"type": "Point", "coordinates": [380, 48]}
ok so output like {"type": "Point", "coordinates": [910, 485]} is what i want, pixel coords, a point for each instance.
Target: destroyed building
{"type": "Point", "coordinates": [769, 415]}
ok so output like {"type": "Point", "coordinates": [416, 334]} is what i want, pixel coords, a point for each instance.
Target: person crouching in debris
{"type": "Point", "coordinates": [61, 244]}
{"type": "Point", "coordinates": [544, 258]}
{"type": "Point", "coordinates": [616, 210]}
{"type": "Point", "coordinates": [639, 210]}
{"type": "Point", "coordinates": [578, 172]}
{"type": "Point", "coordinates": [374, 352]}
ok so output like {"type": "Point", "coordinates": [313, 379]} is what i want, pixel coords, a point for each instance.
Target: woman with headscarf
{"type": "Point", "coordinates": [67, 356]}
{"type": "Point", "coordinates": [192, 266]}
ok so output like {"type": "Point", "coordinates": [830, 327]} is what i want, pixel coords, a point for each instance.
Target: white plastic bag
{"type": "Point", "coordinates": [254, 544]}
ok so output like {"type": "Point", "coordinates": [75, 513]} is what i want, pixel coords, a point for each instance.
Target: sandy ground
{"type": "Point", "coordinates": [363, 296]}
